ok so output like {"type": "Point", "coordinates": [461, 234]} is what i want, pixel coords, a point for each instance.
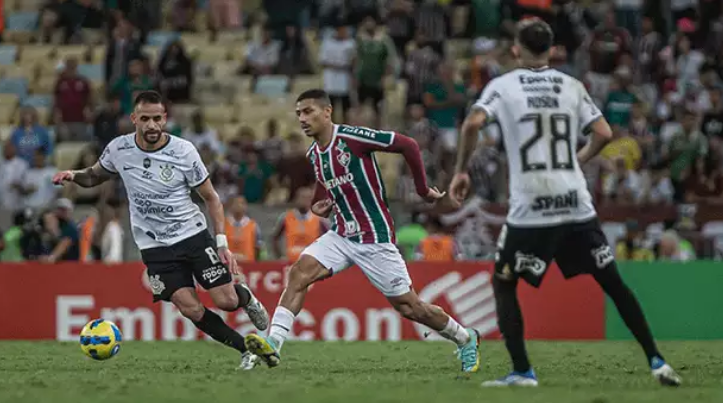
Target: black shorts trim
{"type": "Point", "coordinates": [183, 264]}
{"type": "Point", "coordinates": [577, 248]}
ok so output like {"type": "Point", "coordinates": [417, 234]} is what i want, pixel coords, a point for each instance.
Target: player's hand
{"type": "Point", "coordinates": [433, 195]}
{"type": "Point", "coordinates": [459, 187]}
{"type": "Point", "coordinates": [322, 208]}
{"type": "Point", "coordinates": [228, 259]}
{"type": "Point", "coordinates": [62, 177]}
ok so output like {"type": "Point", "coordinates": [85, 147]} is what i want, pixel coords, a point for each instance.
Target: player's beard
{"type": "Point", "coordinates": [152, 136]}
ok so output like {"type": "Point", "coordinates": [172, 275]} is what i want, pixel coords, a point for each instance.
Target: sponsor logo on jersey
{"type": "Point", "coordinates": [543, 102]}
{"type": "Point", "coordinates": [493, 96]}
{"type": "Point", "coordinates": [197, 172]}
{"type": "Point", "coordinates": [126, 145]}
{"type": "Point", "coordinates": [146, 163]}
{"type": "Point", "coordinates": [155, 209]}
{"type": "Point", "coordinates": [351, 228]}
{"type": "Point", "coordinates": [556, 204]}
{"type": "Point", "coordinates": [170, 153]}
{"type": "Point", "coordinates": [339, 180]}
{"type": "Point", "coordinates": [166, 173]}
{"type": "Point", "coordinates": [536, 88]}
{"type": "Point", "coordinates": [361, 131]}
{"type": "Point", "coordinates": [540, 79]}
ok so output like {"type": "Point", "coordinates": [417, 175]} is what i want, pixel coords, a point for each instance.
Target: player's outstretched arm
{"type": "Point", "coordinates": [601, 134]}
{"type": "Point", "coordinates": [468, 136]}
{"type": "Point", "coordinates": [87, 178]}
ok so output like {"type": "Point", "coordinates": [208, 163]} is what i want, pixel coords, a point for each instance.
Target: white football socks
{"type": "Point", "coordinates": [281, 325]}
{"type": "Point", "coordinates": [454, 332]}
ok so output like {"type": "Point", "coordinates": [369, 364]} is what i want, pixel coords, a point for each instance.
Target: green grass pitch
{"type": "Point", "coordinates": [204, 372]}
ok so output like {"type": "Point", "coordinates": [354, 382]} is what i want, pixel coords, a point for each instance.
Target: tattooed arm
{"type": "Point", "coordinates": [87, 178]}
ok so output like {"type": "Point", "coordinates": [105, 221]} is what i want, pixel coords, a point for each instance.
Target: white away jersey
{"type": "Point", "coordinates": [158, 185]}
{"type": "Point", "coordinates": [540, 113]}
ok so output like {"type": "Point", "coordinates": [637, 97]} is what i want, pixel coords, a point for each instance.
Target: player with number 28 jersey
{"type": "Point", "coordinates": [551, 216]}
{"type": "Point", "coordinates": [540, 114]}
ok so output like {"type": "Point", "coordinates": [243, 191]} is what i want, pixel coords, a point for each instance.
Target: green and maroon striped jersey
{"type": "Point", "coordinates": [349, 172]}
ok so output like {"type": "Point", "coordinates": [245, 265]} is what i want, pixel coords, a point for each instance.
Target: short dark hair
{"type": "Point", "coordinates": [320, 96]}
{"type": "Point", "coordinates": [535, 35]}
{"type": "Point", "coordinates": [148, 97]}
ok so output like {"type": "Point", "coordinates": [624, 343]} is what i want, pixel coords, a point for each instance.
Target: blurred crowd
{"type": "Point", "coordinates": [653, 67]}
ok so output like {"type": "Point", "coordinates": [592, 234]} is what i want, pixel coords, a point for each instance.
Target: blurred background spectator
{"type": "Point", "coordinates": [230, 71]}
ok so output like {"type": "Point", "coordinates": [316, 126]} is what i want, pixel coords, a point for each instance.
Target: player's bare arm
{"type": "Point", "coordinates": [471, 127]}
{"type": "Point", "coordinates": [215, 210]}
{"type": "Point", "coordinates": [87, 178]}
{"type": "Point", "coordinates": [473, 123]}
{"type": "Point", "coordinates": [600, 136]}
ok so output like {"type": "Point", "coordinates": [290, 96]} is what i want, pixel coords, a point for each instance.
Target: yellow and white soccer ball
{"type": "Point", "coordinates": [100, 339]}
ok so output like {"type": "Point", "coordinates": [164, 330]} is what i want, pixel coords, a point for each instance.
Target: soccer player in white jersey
{"type": "Point", "coordinates": [362, 233]}
{"type": "Point", "coordinates": [159, 172]}
{"type": "Point", "coordinates": [551, 215]}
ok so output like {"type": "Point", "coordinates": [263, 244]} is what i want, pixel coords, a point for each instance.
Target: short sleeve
{"type": "Point", "coordinates": [106, 159]}
{"type": "Point", "coordinates": [491, 99]}
{"type": "Point", "coordinates": [587, 110]}
{"type": "Point", "coordinates": [194, 169]}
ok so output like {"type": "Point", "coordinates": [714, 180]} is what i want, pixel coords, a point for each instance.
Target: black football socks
{"type": "Point", "coordinates": [628, 308]}
{"type": "Point", "coordinates": [244, 296]}
{"type": "Point", "coordinates": [509, 318]}
{"type": "Point", "coordinates": [214, 326]}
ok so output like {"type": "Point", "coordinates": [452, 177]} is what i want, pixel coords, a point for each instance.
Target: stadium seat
{"type": "Point", "coordinates": [44, 85]}
{"type": "Point", "coordinates": [9, 100]}
{"type": "Point", "coordinates": [36, 53]}
{"type": "Point", "coordinates": [38, 101]}
{"type": "Point", "coordinates": [7, 113]}
{"type": "Point", "coordinates": [14, 85]}
{"type": "Point", "coordinates": [5, 132]}
{"type": "Point", "coordinates": [22, 21]}
{"type": "Point", "coordinates": [17, 71]}
{"type": "Point", "coordinates": [93, 72]}
{"type": "Point", "coordinates": [220, 114]}
{"type": "Point", "coordinates": [272, 86]}
{"type": "Point", "coordinates": [161, 38]}
{"type": "Point", "coordinates": [75, 51]}
{"type": "Point", "coordinates": [8, 54]}
{"type": "Point", "coordinates": [67, 153]}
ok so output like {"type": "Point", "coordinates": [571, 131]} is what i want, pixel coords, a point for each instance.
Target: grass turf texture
{"type": "Point", "coordinates": [200, 372]}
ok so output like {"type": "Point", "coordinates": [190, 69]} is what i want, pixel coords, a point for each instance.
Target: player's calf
{"type": "Point", "coordinates": [187, 302]}
{"type": "Point", "coordinates": [231, 297]}
{"type": "Point", "coordinates": [410, 306]}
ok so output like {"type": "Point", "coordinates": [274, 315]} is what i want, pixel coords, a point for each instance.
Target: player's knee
{"type": "Point", "coordinates": [194, 312]}
{"type": "Point", "coordinates": [304, 273]}
{"type": "Point", "coordinates": [226, 301]}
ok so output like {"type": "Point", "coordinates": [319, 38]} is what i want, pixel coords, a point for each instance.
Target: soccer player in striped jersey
{"type": "Point", "coordinates": [349, 186]}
